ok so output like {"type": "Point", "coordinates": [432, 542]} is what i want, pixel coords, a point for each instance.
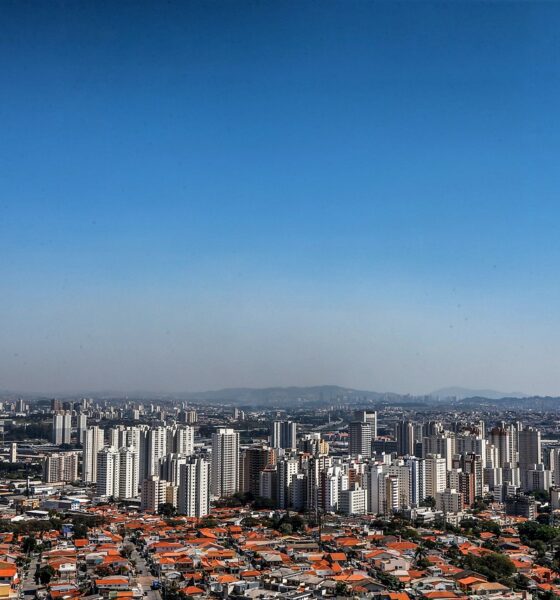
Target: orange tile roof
{"type": "Point", "coordinates": [192, 590]}
{"type": "Point", "coordinates": [337, 556]}
{"type": "Point", "coordinates": [402, 546]}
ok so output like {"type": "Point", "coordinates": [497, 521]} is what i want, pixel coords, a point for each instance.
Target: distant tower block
{"type": "Point", "coordinates": [13, 452]}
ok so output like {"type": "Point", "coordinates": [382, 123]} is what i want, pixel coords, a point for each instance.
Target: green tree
{"type": "Point", "coordinates": [45, 574]}
{"type": "Point", "coordinates": [285, 529]}
{"type": "Point", "coordinates": [494, 566]}
{"type": "Point", "coordinates": [167, 510]}
{"type": "Point", "coordinates": [428, 502]}
{"type": "Point", "coordinates": [341, 589]}
{"type": "Point", "coordinates": [531, 531]}
{"type": "Point", "coordinates": [29, 544]}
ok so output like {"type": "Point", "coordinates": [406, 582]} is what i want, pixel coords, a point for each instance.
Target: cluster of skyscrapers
{"type": "Point", "coordinates": [422, 464]}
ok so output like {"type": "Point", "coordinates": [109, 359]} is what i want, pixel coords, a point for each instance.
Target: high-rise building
{"type": "Point", "coordinates": [353, 501]}
{"type": "Point", "coordinates": [402, 472]}
{"type": "Point", "coordinates": [153, 447]}
{"type": "Point", "coordinates": [81, 427]}
{"type": "Point", "coordinates": [314, 493]}
{"type": "Point", "coordinates": [530, 450]}
{"type": "Point", "coordinates": [254, 461]}
{"type": "Point", "coordinates": [449, 501]}
{"type": "Point", "coordinates": [283, 434]}
{"type": "Point", "coordinates": [472, 444]}
{"type": "Point", "coordinates": [312, 443]}
{"type": "Point", "coordinates": [154, 493]}
{"type": "Point", "coordinates": [535, 478]}
{"type": "Point", "coordinates": [287, 468]}
{"type": "Point", "coordinates": [62, 428]}
{"type": "Point", "coordinates": [417, 479]}
{"type": "Point", "coordinates": [108, 472]}
{"type": "Point", "coordinates": [511, 475]}
{"type": "Point", "coordinates": [128, 473]}
{"type": "Point", "coordinates": [392, 494]}
{"type": "Point", "coordinates": [554, 461]}
{"type": "Point", "coordinates": [405, 435]}
{"type": "Point", "coordinates": [360, 435]}
{"type": "Point", "coordinates": [60, 467]}
{"type": "Point", "coordinates": [268, 484]}
{"type": "Point", "coordinates": [13, 452]}
{"type": "Point", "coordinates": [225, 462]}
{"type": "Point", "coordinates": [194, 490]}
{"type": "Point", "coordinates": [170, 468]}
{"type": "Point", "coordinates": [521, 506]}
{"type": "Point", "coordinates": [442, 444]}
{"type": "Point", "coordinates": [93, 443]}
{"type": "Point", "coordinates": [435, 474]}
{"type": "Point", "coordinates": [376, 489]}
{"type": "Point", "coordinates": [500, 438]}
{"type": "Point", "coordinates": [368, 417]}
{"type": "Point", "coordinates": [180, 440]}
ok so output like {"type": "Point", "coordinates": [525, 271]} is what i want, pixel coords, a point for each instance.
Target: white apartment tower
{"type": "Point", "coordinates": [436, 469]}
{"type": "Point", "coordinates": [60, 467]}
{"type": "Point", "coordinates": [225, 462]}
{"type": "Point", "coordinates": [170, 468]}
{"type": "Point", "coordinates": [530, 449]}
{"type": "Point", "coordinates": [442, 444]}
{"type": "Point", "coordinates": [180, 440]}
{"type": "Point", "coordinates": [93, 443]}
{"type": "Point", "coordinates": [287, 468]}
{"type": "Point", "coordinates": [108, 472]}
{"type": "Point", "coordinates": [368, 417]}
{"type": "Point", "coordinates": [194, 491]}
{"type": "Point", "coordinates": [128, 473]}
{"type": "Point", "coordinates": [283, 434]}
{"type": "Point", "coordinates": [81, 427]}
{"type": "Point", "coordinates": [153, 448]}
{"type": "Point", "coordinates": [62, 428]}
{"type": "Point", "coordinates": [154, 492]}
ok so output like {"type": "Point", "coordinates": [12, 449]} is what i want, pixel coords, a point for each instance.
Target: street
{"type": "Point", "coordinates": [28, 585]}
{"type": "Point", "coordinates": [144, 576]}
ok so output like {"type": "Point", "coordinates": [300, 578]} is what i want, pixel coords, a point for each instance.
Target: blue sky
{"type": "Point", "coordinates": [197, 195]}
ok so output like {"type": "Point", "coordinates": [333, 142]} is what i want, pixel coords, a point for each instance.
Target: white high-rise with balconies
{"type": "Point", "coordinates": [153, 447]}
{"type": "Point", "coordinates": [128, 473]}
{"type": "Point", "coordinates": [530, 448]}
{"type": "Point", "coordinates": [62, 428]}
{"type": "Point", "coordinates": [435, 469]}
{"type": "Point", "coordinates": [225, 462]}
{"type": "Point", "coordinates": [60, 467]}
{"type": "Point", "coordinates": [180, 440]}
{"type": "Point", "coordinates": [81, 427]}
{"type": "Point", "coordinates": [154, 492]}
{"type": "Point", "coordinates": [283, 434]}
{"type": "Point", "coordinates": [194, 491]}
{"type": "Point", "coordinates": [93, 443]}
{"type": "Point", "coordinates": [108, 472]}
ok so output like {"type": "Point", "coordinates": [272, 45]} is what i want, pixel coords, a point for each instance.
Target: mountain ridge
{"type": "Point", "coordinates": [461, 393]}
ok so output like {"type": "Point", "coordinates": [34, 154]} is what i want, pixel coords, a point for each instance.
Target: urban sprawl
{"type": "Point", "coordinates": [108, 498]}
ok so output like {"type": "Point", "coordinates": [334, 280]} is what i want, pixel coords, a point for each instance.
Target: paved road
{"type": "Point", "coordinates": [28, 585]}
{"type": "Point", "coordinates": [144, 576]}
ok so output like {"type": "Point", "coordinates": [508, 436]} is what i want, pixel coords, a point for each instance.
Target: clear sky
{"type": "Point", "coordinates": [198, 195]}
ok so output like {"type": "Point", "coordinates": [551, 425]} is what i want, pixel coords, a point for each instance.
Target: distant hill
{"type": "Point", "coordinates": [280, 396]}
{"type": "Point", "coordinates": [289, 397]}
{"type": "Point", "coordinates": [460, 393]}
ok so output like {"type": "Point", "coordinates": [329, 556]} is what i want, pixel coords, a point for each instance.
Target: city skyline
{"type": "Point", "coordinates": [207, 195]}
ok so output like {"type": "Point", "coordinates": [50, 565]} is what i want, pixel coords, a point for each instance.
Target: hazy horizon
{"type": "Point", "coordinates": [207, 195]}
